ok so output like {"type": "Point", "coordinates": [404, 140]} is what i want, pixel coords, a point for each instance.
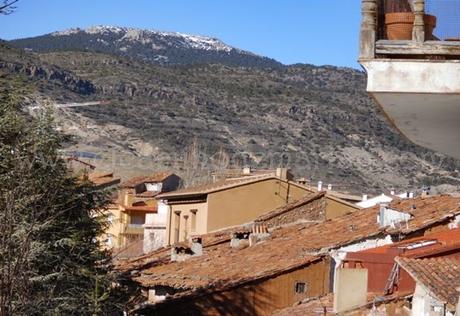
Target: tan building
{"type": "Point", "coordinates": [226, 203]}
{"type": "Point", "coordinates": [135, 201]}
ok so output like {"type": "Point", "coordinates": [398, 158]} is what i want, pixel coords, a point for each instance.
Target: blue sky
{"type": "Point", "coordinates": [291, 31]}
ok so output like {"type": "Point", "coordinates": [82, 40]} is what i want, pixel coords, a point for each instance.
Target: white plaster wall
{"type": "Point", "coordinates": [153, 187]}
{"type": "Point", "coordinates": [413, 76]}
{"type": "Point", "coordinates": [339, 254]}
{"type": "Point", "coordinates": [423, 304]}
{"type": "Point", "coordinates": [374, 201]}
{"type": "Point", "coordinates": [392, 217]}
{"type": "Point", "coordinates": [155, 228]}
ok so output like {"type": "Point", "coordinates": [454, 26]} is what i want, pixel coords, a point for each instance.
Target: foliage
{"type": "Point", "coordinates": [50, 258]}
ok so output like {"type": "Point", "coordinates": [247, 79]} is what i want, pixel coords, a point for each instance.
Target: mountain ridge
{"type": "Point", "coordinates": [159, 47]}
{"type": "Point", "coordinates": [317, 120]}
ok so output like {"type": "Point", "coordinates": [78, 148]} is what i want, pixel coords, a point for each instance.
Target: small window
{"type": "Point", "coordinates": [300, 287]}
{"type": "Point", "coordinates": [137, 219]}
{"type": "Point", "coordinates": [193, 220]}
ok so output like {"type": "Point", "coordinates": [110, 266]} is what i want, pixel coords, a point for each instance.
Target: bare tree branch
{"type": "Point", "coordinates": [7, 7]}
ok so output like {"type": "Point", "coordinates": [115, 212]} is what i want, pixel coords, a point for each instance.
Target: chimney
{"type": "Point", "coordinates": [259, 233]}
{"type": "Point", "coordinates": [182, 253]}
{"type": "Point", "coordinates": [320, 186]}
{"type": "Point", "coordinates": [239, 240]}
{"type": "Point", "coordinates": [197, 246]}
{"type": "Point", "coordinates": [329, 187]}
{"type": "Point", "coordinates": [364, 198]}
{"type": "Point", "coordinates": [411, 195]}
{"type": "Point", "coordinates": [392, 192]}
{"type": "Point", "coordinates": [381, 217]}
{"type": "Point", "coordinates": [247, 170]}
{"type": "Point", "coordinates": [282, 173]}
{"type": "Point", "coordinates": [302, 181]}
{"type": "Point", "coordinates": [425, 192]}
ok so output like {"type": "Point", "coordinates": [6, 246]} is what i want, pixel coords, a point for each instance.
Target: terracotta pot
{"type": "Point", "coordinates": [400, 25]}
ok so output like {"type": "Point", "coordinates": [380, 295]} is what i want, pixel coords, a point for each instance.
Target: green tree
{"type": "Point", "coordinates": [51, 262]}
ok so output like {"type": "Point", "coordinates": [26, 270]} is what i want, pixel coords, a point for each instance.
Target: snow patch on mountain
{"type": "Point", "coordinates": [153, 37]}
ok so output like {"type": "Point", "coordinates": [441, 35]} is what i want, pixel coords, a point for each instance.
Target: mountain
{"type": "Point", "coordinates": [165, 48]}
{"type": "Point", "coordinates": [319, 121]}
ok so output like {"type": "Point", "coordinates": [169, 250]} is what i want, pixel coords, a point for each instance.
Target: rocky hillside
{"type": "Point", "coordinates": [165, 48]}
{"type": "Point", "coordinates": [317, 120]}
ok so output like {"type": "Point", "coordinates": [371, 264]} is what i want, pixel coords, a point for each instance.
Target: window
{"type": "Point", "coordinates": [176, 226]}
{"type": "Point", "coordinates": [300, 287]}
{"type": "Point", "coordinates": [193, 220]}
{"type": "Point", "coordinates": [137, 219]}
{"type": "Point", "coordinates": [185, 227]}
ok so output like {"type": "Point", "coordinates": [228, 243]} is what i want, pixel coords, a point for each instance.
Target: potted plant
{"type": "Point", "coordinates": [399, 20]}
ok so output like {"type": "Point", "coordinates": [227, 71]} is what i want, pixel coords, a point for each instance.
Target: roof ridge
{"type": "Point", "coordinates": [216, 186]}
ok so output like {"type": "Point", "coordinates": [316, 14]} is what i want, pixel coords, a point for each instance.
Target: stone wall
{"type": "Point", "coordinates": [313, 210]}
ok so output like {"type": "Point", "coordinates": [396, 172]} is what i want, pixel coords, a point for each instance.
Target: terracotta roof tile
{"type": "Point", "coordinates": [214, 186]}
{"type": "Point", "coordinates": [142, 208]}
{"type": "Point", "coordinates": [438, 243]}
{"type": "Point", "coordinates": [324, 306]}
{"type": "Point", "coordinates": [156, 177]}
{"type": "Point", "coordinates": [292, 246]}
{"type": "Point", "coordinates": [439, 276]}
{"type": "Point", "coordinates": [314, 307]}
{"type": "Point", "coordinates": [147, 194]}
{"type": "Point", "coordinates": [102, 179]}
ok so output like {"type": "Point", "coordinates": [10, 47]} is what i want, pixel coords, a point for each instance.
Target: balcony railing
{"type": "Point", "coordinates": [133, 229]}
{"type": "Point", "coordinates": [422, 29]}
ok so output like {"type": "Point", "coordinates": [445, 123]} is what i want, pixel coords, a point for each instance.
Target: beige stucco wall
{"type": "Point", "coordinates": [185, 229]}
{"type": "Point", "coordinates": [243, 204]}
{"type": "Point", "coordinates": [335, 208]}
{"type": "Point", "coordinates": [240, 205]}
{"type": "Point", "coordinates": [350, 289]}
{"type": "Point", "coordinates": [114, 228]}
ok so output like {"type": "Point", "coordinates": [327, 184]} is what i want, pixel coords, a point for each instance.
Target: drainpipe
{"type": "Point", "coordinates": [287, 191]}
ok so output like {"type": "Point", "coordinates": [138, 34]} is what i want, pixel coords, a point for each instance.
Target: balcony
{"type": "Point", "coordinates": [410, 50]}
{"type": "Point", "coordinates": [133, 229]}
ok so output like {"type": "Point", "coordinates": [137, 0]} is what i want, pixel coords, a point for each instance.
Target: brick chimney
{"type": "Point", "coordinates": [282, 173]}
{"type": "Point", "coordinates": [182, 253]}
{"type": "Point", "coordinates": [197, 246]}
{"type": "Point", "coordinates": [240, 240]}
{"type": "Point", "coordinates": [259, 233]}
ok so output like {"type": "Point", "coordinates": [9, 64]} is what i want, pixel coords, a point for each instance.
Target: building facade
{"type": "Point", "coordinates": [134, 204]}
{"type": "Point", "coordinates": [226, 203]}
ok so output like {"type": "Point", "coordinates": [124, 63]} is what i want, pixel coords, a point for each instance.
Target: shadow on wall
{"type": "Point", "coordinates": [241, 301]}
